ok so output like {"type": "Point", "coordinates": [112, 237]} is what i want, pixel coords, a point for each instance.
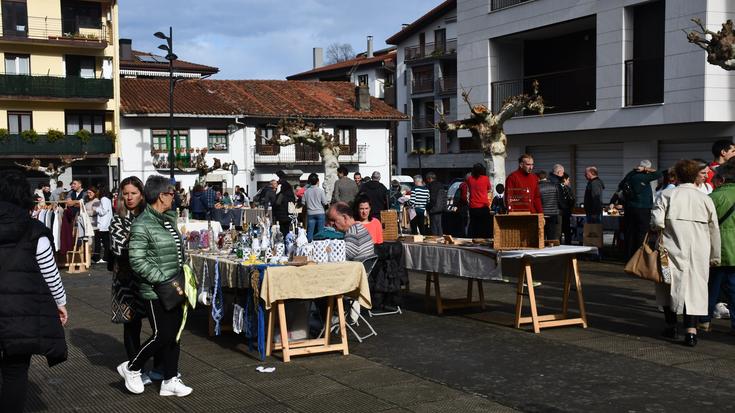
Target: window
{"type": "Point", "coordinates": [217, 140]}
{"type": "Point", "coordinates": [17, 64]}
{"type": "Point", "coordinates": [447, 106]}
{"type": "Point", "coordinates": [440, 40]}
{"type": "Point", "coordinates": [15, 18]}
{"type": "Point", "coordinates": [19, 122]}
{"type": "Point", "coordinates": [93, 122]}
{"type": "Point", "coordinates": [80, 14]}
{"type": "Point", "coordinates": [362, 79]}
{"type": "Point", "coordinates": [160, 139]}
{"type": "Point", "coordinates": [347, 138]}
{"type": "Point", "coordinates": [263, 145]}
{"type": "Point", "coordinates": [82, 66]}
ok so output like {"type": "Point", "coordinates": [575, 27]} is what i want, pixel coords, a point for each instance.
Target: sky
{"type": "Point", "coordinates": [263, 39]}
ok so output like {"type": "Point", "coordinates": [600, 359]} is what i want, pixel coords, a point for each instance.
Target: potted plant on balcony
{"type": "Point", "coordinates": [4, 135]}
{"type": "Point", "coordinates": [111, 135]}
{"type": "Point", "coordinates": [29, 136]}
{"type": "Point", "coordinates": [54, 135]}
{"type": "Point", "coordinates": [83, 135]}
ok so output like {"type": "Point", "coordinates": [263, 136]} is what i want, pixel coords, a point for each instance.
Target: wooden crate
{"type": "Point", "coordinates": [518, 231]}
{"type": "Point", "coordinates": [389, 219]}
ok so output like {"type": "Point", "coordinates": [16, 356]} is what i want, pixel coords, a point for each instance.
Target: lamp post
{"type": "Point", "coordinates": [170, 56]}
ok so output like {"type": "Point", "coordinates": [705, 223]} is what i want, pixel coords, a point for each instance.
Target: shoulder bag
{"type": "Point", "coordinates": [171, 292]}
{"type": "Point", "coordinates": [646, 261]}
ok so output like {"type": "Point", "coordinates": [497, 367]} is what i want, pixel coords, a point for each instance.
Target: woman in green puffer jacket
{"type": "Point", "coordinates": [156, 255]}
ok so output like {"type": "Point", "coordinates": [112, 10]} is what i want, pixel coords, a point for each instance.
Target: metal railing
{"type": "Point", "coordinates": [422, 85]}
{"type": "Point", "coordinates": [46, 28]}
{"type": "Point", "coordinates": [431, 50]}
{"type": "Point", "coordinates": [644, 81]}
{"type": "Point", "coordinates": [447, 84]}
{"type": "Point", "coordinates": [297, 154]}
{"type": "Point", "coordinates": [563, 91]}
{"type": "Point", "coordinates": [69, 145]}
{"type": "Point", "coordinates": [422, 123]}
{"type": "Point", "coordinates": [501, 4]}
{"type": "Point", "coordinates": [55, 86]}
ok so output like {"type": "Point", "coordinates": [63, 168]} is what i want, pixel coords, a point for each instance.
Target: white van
{"type": "Point", "coordinates": [405, 181]}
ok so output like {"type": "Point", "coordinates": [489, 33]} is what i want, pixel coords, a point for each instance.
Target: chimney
{"type": "Point", "coordinates": [318, 57]}
{"type": "Point", "coordinates": [126, 49]}
{"type": "Point", "coordinates": [404, 25]}
{"type": "Point", "coordinates": [370, 46]}
{"type": "Point", "coordinates": [362, 98]}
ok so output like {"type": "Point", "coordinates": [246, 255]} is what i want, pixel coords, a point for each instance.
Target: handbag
{"type": "Point", "coordinates": [171, 292]}
{"type": "Point", "coordinates": [645, 262]}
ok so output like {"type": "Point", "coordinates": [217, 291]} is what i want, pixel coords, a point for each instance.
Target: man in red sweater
{"type": "Point", "coordinates": [521, 188]}
{"type": "Point", "coordinates": [722, 151]}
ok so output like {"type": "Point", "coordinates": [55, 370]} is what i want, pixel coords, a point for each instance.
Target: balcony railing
{"type": "Point", "coordinates": [422, 123]}
{"type": "Point", "coordinates": [447, 84]}
{"type": "Point", "coordinates": [431, 50]}
{"type": "Point", "coordinates": [305, 155]}
{"type": "Point", "coordinates": [423, 85]}
{"type": "Point", "coordinates": [563, 91]}
{"type": "Point", "coordinates": [70, 145]}
{"type": "Point", "coordinates": [644, 81]}
{"type": "Point", "coordinates": [46, 28]}
{"type": "Point", "coordinates": [55, 86]}
{"type": "Point", "coordinates": [501, 4]}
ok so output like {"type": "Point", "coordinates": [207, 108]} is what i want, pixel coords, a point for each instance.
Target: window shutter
{"type": "Point", "coordinates": [353, 141]}
{"type": "Point", "coordinates": [258, 139]}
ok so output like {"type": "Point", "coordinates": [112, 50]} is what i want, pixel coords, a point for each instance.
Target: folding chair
{"type": "Point", "coordinates": [352, 308]}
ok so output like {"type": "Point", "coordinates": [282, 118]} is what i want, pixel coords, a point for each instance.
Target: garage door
{"type": "Point", "coordinates": [546, 156]}
{"type": "Point", "coordinates": [669, 152]}
{"type": "Point", "coordinates": [608, 158]}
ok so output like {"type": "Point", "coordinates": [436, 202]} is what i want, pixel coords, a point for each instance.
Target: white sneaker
{"type": "Point", "coordinates": [174, 387]}
{"type": "Point", "coordinates": [721, 311]}
{"type": "Point", "coordinates": [133, 382]}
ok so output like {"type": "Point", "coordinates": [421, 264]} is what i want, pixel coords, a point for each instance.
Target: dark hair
{"type": "Point", "coordinates": [542, 175]}
{"type": "Point", "coordinates": [198, 188]}
{"type": "Point", "coordinates": [478, 169]}
{"type": "Point", "coordinates": [104, 193]}
{"type": "Point", "coordinates": [15, 188]}
{"type": "Point", "coordinates": [564, 176]}
{"type": "Point", "coordinates": [122, 210]}
{"type": "Point", "coordinates": [342, 170]}
{"type": "Point", "coordinates": [59, 184]}
{"type": "Point", "coordinates": [95, 191]}
{"type": "Point", "coordinates": [687, 171]}
{"type": "Point", "coordinates": [721, 145]}
{"type": "Point", "coordinates": [361, 199]}
{"type": "Point", "coordinates": [500, 188]}
{"type": "Point", "coordinates": [313, 179]}
{"type": "Point", "coordinates": [357, 174]}
{"type": "Point", "coordinates": [281, 174]}
{"type": "Point", "coordinates": [524, 156]}
{"type": "Point", "coordinates": [726, 172]}
{"type": "Point", "coordinates": [155, 185]}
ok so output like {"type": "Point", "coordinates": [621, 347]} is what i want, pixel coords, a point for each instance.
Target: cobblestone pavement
{"type": "Point", "coordinates": [465, 361]}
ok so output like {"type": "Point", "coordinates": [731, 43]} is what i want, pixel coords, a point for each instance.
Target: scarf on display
{"type": "Point", "coordinates": [217, 301]}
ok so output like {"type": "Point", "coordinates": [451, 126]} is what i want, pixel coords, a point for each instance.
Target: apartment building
{"type": "Point", "coordinates": [620, 80]}
{"type": "Point", "coordinates": [58, 88]}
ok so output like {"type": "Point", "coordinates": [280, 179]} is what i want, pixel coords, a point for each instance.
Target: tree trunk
{"type": "Point", "coordinates": [497, 175]}
{"type": "Point", "coordinates": [331, 163]}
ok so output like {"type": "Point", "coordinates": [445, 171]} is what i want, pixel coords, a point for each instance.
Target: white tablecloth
{"type": "Point", "coordinates": [197, 225]}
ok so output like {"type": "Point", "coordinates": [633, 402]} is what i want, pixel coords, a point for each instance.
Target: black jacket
{"type": "Point", "coordinates": [377, 193]}
{"type": "Point", "coordinates": [437, 197]}
{"type": "Point", "coordinates": [280, 205]}
{"type": "Point", "coordinates": [593, 197]}
{"type": "Point", "coordinates": [29, 319]}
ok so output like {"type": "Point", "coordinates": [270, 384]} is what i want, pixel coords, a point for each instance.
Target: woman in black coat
{"type": "Point", "coordinates": [32, 298]}
{"type": "Point", "coordinates": [284, 196]}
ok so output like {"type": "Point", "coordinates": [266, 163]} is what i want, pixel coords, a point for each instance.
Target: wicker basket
{"type": "Point", "coordinates": [519, 231]}
{"type": "Point", "coordinates": [389, 219]}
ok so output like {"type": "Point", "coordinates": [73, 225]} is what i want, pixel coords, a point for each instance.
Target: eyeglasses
{"type": "Point", "coordinates": [168, 193]}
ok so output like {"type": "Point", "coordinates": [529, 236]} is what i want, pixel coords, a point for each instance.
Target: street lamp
{"type": "Point", "coordinates": [170, 56]}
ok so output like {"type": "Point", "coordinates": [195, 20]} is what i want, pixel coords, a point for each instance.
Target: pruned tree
{"type": "Point", "coordinates": [202, 167]}
{"type": "Point", "coordinates": [297, 131]}
{"type": "Point", "coordinates": [487, 127]}
{"type": "Point", "coordinates": [339, 52]}
{"type": "Point", "coordinates": [51, 170]}
{"type": "Point", "coordinates": [720, 47]}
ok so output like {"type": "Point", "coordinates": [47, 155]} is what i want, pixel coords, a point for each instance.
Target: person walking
{"type": "Point", "coordinates": [593, 196]}
{"type": "Point", "coordinates": [637, 201]}
{"type": "Point", "coordinates": [156, 255]}
{"type": "Point", "coordinates": [437, 203]}
{"type": "Point", "coordinates": [198, 203]}
{"type": "Point", "coordinates": [345, 189]}
{"type": "Point", "coordinates": [567, 205]}
{"type": "Point", "coordinates": [550, 200]}
{"type": "Point", "coordinates": [92, 204]}
{"type": "Point", "coordinates": [376, 193]}
{"type": "Point", "coordinates": [104, 218]}
{"type": "Point", "coordinates": [419, 198]}
{"type": "Point", "coordinates": [479, 187]}
{"type": "Point", "coordinates": [32, 296]}
{"type": "Point", "coordinates": [521, 188]}
{"type": "Point", "coordinates": [687, 220]}
{"type": "Point", "coordinates": [315, 200]}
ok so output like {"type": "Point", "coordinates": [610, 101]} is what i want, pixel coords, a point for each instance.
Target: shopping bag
{"type": "Point", "coordinates": [592, 235]}
{"type": "Point", "coordinates": [645, 262]}
{"type": "Point", "coordinates": [337, 251]}
{"type": "Point", "coordinates": [321, 250]}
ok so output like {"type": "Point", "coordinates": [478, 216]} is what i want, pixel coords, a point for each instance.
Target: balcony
{"type": "Point", "coordinates": [63, 32]}
{"type": "Point", "coordinates": [71, 87]}
{"type": "Point", "coordinates": [422, 123]}
{"type": "Point", "coordinates": [70, 145]}
{"type": "Point", "coordinates": [644, 81]}
{"type": "Point", "coordinates": [563, 91]}
{"type": "Point", "coordinates": [501, 4]}
{"type": "Point", "coordinates": [435, 50]}
{"type": "Point", "coordinates": [422, 85]}
{"type": "Point", "coordinates": [447, 84]}
{"type": "Point", "coordinates": [304, 155]}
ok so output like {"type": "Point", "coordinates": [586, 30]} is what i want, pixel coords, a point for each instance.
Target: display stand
{"type": "Point", "coordinates": [446, 303]}
{"type": "Point", "coordinates": [304, 347]}
{"type": "Point", "coordinates": [550, 320]}
{"type": "Point", "coordinates": [79, 259]}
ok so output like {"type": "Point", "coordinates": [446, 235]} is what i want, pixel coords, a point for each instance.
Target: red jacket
{"type": "Point", "coordinates": [479, 188]}
{"type": "Point", "coordinates": [519, 180]}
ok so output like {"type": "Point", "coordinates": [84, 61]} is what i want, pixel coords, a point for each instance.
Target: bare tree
{"type": "Point", "coordinates": [293, 131]}
{"type": "Point", "coordinates": [51, 170]}
{"type": "Point", "coordinates": [339, 52]}
{"type": "Point", "coordinates": [720, 48]}
{"type": "Point", "coordinates": [487, 128]}
{"type": "Point", "coordinates": [202, 167]}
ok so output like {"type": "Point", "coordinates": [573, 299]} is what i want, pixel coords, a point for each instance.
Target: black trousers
{"type": "Point", "coordinates": [165, 326]}
{"type": "Point", "coordinates": [435, 221]}
{"type": "Point", "coordinates": [418, 223]}
{"type": "Point", "coordinates": [15, 382]}
{"type": "Point", "coordinates": [637, 223]}
{"type": "Point", "coordinates": [551, 227]}
{"type": "Point", "coordinates": [199, 216]}
{"type": "Point", "coordinates": [566, 227]}
{"type": "Point", "coordinates": [480, 223]}
{"type": "Point", "coordinates": [101, 246]}
{"type": "Point", "coordinates": [690, 321]}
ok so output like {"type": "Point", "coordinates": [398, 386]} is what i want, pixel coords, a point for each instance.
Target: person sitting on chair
{"type": "Point", "coordinates": [363, 215]}
{"type": "Point", "coordinates": [359, 244]}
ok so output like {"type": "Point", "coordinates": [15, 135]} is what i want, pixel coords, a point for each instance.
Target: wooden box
{"type": "Point", "coordinates": [389, 219]}
{"type": "Point", "coordinates": [518, 231]}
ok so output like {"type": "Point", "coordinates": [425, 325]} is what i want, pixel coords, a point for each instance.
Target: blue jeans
{"type": "Point", "coordinates": [314, 224]}
{"type": "Point", "coordinates": [717, 277]}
